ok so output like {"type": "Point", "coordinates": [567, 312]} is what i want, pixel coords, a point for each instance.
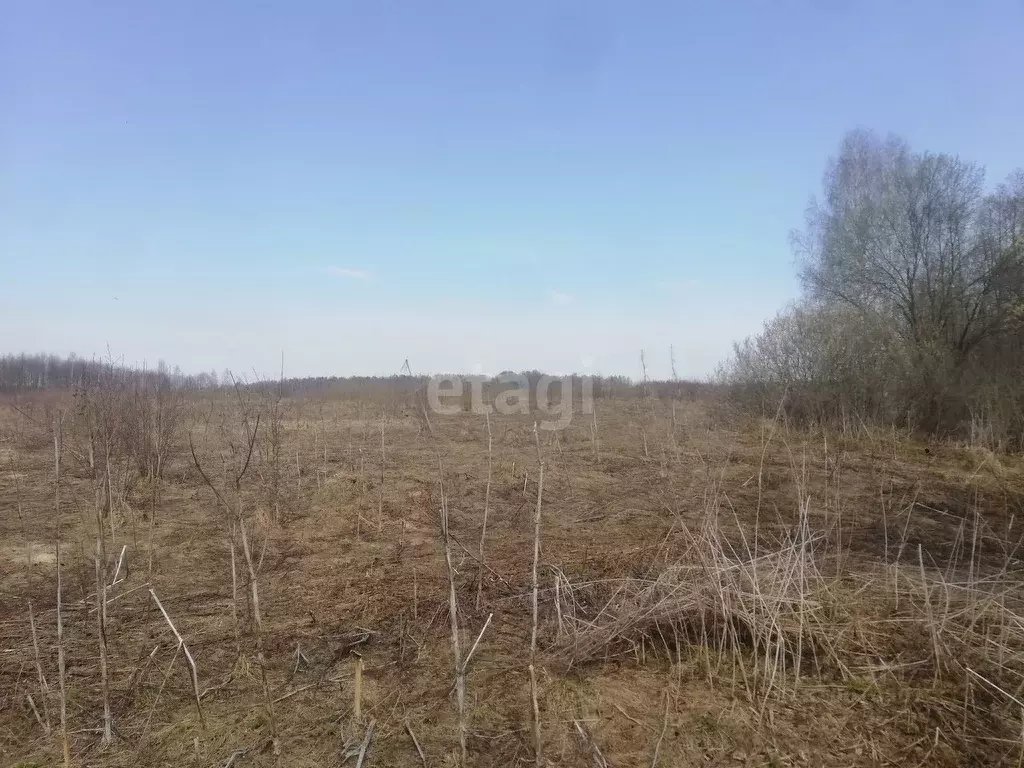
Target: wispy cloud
{"type": "Point", "coordinates": [351, 274]}
{"type": "Point", "coordinates": [559, 297]}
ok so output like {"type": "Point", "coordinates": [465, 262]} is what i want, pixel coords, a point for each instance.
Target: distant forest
{"type": "Point", "coordinates": [38, 373]}
{"type": "Point", "coordinates": [35, 373]}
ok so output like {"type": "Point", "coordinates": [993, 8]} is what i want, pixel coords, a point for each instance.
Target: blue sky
{"type": "Point", "coordinates": [473, 186]}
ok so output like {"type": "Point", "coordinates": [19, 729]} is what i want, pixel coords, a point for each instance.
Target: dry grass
{"type": "Point", "coordinates": [710, 591]}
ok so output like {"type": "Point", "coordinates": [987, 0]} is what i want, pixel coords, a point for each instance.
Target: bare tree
{"type": "Point", "coordinates": [910, 236]}
{"type": "Point", "coordinates": [914, 283]}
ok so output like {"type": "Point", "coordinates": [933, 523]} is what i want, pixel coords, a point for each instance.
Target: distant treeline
{"type": "Point", "coordinates": [36, 373]}
{"type": "Point", "coordinates": [403, 385]}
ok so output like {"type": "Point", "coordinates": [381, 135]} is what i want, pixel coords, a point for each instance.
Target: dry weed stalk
{"type": "Point", "coordinates": [260, 655]}
{"type": "Point", "coordinates": [533, 629]}
{"type": "Point", "coordinates": [323, 429]}
{"type": "Point", "coordinates": [380, 490]}
{"type": "Point", "coordinates": [588, 740]}
{"type": "Point", "coordinates": [453, 612]}
{"type": "Point", "coordinates": [487, 505]}
{"type": "Point", "coordinates": [275, 442]}
{"type": "Point", "coordinates": [61, 669]}
{"type": "Point", "coordinates": [472, 650]}
{"type": "Point", "coordinates": [193, 672]}
{"type": "Point", "coordinates": [159, 693]}
{"type": "Point", "coordinates": [366, 744]}
{"type": "Point", "coordinates": [101, 591]}
{"type": "Point", "coordinates": [44, 691]}
{"type": "Point", "coordinates": [35, 711]}
{"type": "Point", "coordinates": [416, 743]}
{"type": "Point", "coordinates": [24, 523]}
{"type": "Point", "coordinates": [234, 592]}
{"type": "Point", "coordinates": [661, 736]}
{"type": "Point", "coordinates": [357, 704]}
{"type": "Point", "coordinates": [101, 620]}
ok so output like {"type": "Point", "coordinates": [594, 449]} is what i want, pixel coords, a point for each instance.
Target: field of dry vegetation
{"type": "Point", "coordinates": [252, 580]}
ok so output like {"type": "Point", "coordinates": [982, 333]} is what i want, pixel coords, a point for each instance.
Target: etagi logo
{"type": "Point", "coordinates": [446, 393]}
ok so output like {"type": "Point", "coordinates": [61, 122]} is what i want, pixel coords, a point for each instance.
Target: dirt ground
{"type": "Point", "coordinates": [914, 547]}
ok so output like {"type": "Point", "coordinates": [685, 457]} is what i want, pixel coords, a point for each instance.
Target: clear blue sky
{"type": "Point", "coordinates": [471, 185]}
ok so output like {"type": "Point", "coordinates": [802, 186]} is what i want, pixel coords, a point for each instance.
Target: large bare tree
{"type": "Point", "coordinates": [914, 291]}
{"type": "Point", "coordinates": [911, 237]}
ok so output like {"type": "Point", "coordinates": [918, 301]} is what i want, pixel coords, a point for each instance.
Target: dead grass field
{"type": "Point", "coordinates": [733, 593]}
